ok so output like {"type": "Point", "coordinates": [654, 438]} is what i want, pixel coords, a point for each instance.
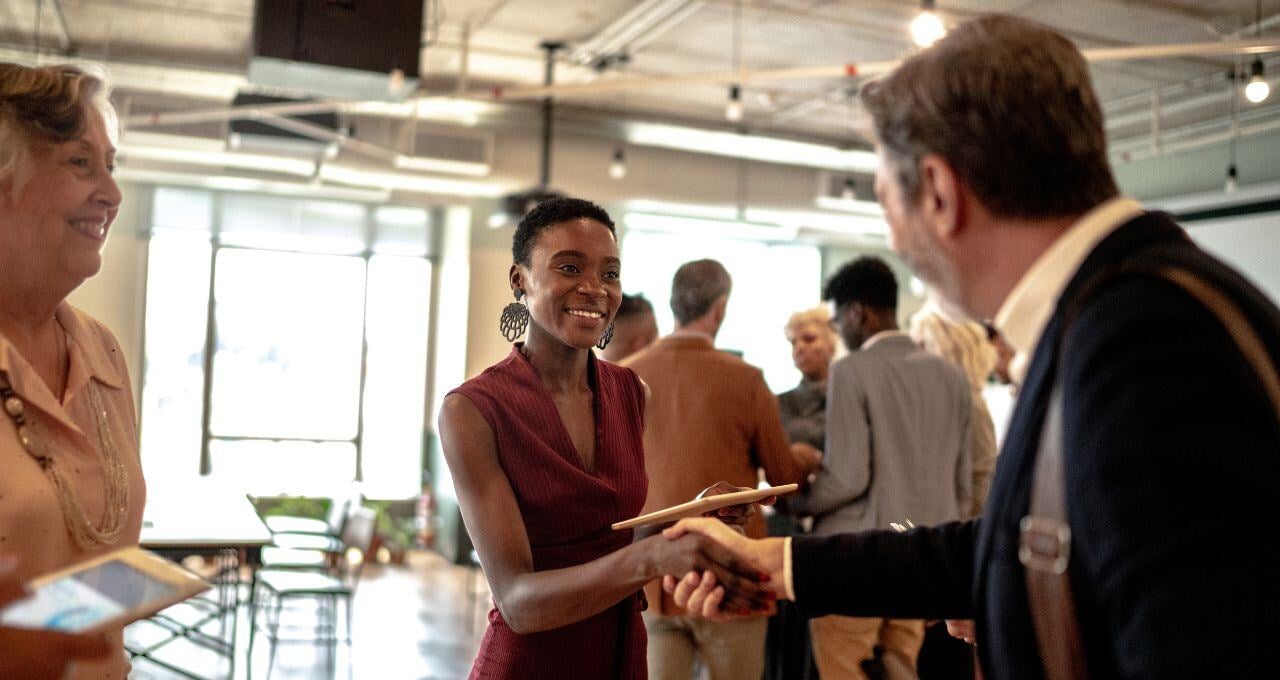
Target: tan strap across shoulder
{"type": "Point", "coordinates": [1045, 539]}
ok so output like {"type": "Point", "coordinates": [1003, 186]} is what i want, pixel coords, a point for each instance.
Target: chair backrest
{"type": "Point", "coordinates": [340, 508]}
{"type": "Point", "coordinates": [358, 534]}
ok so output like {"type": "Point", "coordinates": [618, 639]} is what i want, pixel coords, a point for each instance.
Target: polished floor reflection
{"type": "Point", "coordinates": [420, 621]}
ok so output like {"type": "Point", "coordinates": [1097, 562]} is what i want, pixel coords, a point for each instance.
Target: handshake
{"type": "Point", "coordinates": [729, 574]}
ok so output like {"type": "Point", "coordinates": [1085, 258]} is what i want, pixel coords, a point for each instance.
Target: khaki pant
{"type": "Point", "coordinates": [732, 650]}
{"type": "Point", "coordinates": [842, 643]}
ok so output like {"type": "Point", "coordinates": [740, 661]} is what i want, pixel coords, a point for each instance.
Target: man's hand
{"type": "Point", "coordinates": [963, 629]}
{"type": "Point", "coordinates": [809, 457]}
{"type": "Point", "coordinates": [734, 514]}
{"type": "Point", "coordinates": [744, 589]}
{"type": "Point", "coordinates": [38, 654]}
{"type": "Point", "coordinates": [699, 593]}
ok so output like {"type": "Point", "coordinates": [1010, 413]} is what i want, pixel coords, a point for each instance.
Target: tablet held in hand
{"type": "Point", "coordinates": [116, 588]}
{"type": "Point", "coordinates": [696, 508]}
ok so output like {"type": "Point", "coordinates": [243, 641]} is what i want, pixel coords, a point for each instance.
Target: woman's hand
{"type": "Point", "coordinates": [39, 654]}
{"type": "Point", "coordinates": [736, 515]}
{"type": "Point", "coordinates": [742, 587]}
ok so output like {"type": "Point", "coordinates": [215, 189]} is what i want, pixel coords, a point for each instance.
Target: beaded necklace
{"type": "Point", "coordinates": [115, 478]}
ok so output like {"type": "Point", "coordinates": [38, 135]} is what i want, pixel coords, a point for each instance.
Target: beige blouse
{"type": "Point", "coordinates": [31, 521]}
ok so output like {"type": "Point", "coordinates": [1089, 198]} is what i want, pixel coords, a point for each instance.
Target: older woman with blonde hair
{"type": "Point", "coordinates": [72, 485]}
{"type": "Point", "coordinates": [965, 344]}
{"type": "Point", "coordinates": [804, 418]}
{"type": "Point", "coordinates": [813, 346]}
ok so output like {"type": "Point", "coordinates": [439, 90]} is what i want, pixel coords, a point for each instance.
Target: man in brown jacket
{"type": "Point", "coordinates": [710, 418]}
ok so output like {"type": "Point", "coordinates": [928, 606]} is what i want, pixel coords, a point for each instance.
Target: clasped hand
{"type": "Point", "coordinates": [705, 592]}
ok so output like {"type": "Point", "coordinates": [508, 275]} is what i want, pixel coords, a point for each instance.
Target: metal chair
{"type": "Point", "coordinates": [340, 507]}
{"type": "Point", "coordinates": [307, 552]}
{"type": "Point", "coordinates": [276, 586]}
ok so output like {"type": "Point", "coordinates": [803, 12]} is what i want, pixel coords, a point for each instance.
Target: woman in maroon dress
{"type": "Point", "coordinates": [546, 453]}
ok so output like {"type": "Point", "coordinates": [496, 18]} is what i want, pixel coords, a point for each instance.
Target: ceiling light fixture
{"type": "Point", "coordinates": [699, 226]}
{"type": "Point", "coordinates": [733, 110]}
{"type": "Point", "coordinates": [751, 147]}
{"type": "Point", "coordinates": [215, 156]}
{"type": "Point", "coordinates": [618, 168]}
{"type": "Point", "coordinates": [446, 165]}
{"type": "Point", "coordinates": [927, 28]}
{"type": "Point", "coordinates": [343, 174]}
{"type": "Point", "coordinates": [1257, 90]}
{"type": "Point", "coordinates": [1233, 180]}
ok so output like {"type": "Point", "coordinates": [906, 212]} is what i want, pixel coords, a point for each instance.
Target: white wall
{"type": "Point", "coordinates": [1250, 243]}
{"type": "Point", "coordinates": [116, 295]}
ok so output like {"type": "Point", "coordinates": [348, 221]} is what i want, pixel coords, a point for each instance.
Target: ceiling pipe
{"type": "Point", "coordinates": [849, 70]}
{"type": "Point", "coordinates": [1215, 98]}
{"type": "Point", "coordinates": [1194, 136]}
{"type": "Point", "coordinates": [632, 31]}
{"type": "Point", "coordinates": [60, 20]}
{"type": "Point", "coordinates": [869, 69]}
{"type": "Point", "coordinates": [548, 112]}
{"type": "Point", "coordinates": [464, 61]}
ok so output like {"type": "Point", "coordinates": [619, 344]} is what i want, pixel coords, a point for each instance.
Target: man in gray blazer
{"type": "Point", "coordinates": [897, 428]}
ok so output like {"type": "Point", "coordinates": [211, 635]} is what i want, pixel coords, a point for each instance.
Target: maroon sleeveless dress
{"type": "Point", "coordinates": [567, 512]}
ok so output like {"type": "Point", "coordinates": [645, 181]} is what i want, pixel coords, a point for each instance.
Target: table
{"type": "Point", "coordinates": [212, 522]}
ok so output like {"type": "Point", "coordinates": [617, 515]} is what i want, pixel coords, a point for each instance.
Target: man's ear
{"type": "Point", "coordinates": [719, 307]}
{"type": "Point", "coordinates": [942, 198]}
{"type": "Point", "coordinates": [857, 313]}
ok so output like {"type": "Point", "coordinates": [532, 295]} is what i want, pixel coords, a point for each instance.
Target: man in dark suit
{"type": "Point", "coordinates": [996, 186]}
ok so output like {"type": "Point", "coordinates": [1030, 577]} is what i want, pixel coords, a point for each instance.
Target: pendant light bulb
{"type": "Point", "coordinates": [1257, 90]}
{"type": "Point", "coordinates": [927, 28]}
{"type": "Point", "coordinates": [733, 110]}
{"type": "Point", "coordinates": [1233, 182]}
{"type": "Point", "coordinates": [618, 168]}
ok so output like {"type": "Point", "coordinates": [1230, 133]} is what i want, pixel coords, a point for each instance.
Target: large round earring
{"type": "Point", "coordinates": [515, 319]}
{"type": "Point", "coordinates": [604, 339]}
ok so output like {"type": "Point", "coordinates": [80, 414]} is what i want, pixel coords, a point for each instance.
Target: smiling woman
{"type": "Point", "coordinates": [72, 485]}
{"type": "Point", "coordinates": [546, 453]}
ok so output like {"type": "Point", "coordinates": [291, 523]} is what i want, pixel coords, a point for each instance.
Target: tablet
{"type": "Point", "coordinates": [696, 508]}
{"type": "Point", "coordinates": [109, 590]}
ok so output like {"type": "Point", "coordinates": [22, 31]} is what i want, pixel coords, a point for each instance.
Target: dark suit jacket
{"type": "Point", "coordinates": [1172, 466]}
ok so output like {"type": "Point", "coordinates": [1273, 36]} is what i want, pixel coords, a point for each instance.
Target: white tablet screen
{"type": "Point", "coordinates": [83, 599]}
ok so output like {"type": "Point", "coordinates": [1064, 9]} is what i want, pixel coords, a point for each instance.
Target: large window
{"type": "Point", "coordinates": [319, 315]}
{"type": "Point", "coordinates": [770, 282]}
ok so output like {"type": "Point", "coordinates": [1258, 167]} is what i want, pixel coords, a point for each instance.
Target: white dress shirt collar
{"type": "Point", "coordinates": [1025, 313]}
{"type": "Point", "coordinates": [880, 336]}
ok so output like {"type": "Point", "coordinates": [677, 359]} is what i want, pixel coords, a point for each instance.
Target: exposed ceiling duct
{"type": "Point", "coordinates": [631, 32]}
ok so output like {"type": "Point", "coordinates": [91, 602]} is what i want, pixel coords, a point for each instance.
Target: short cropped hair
{"type": "Point", "coordinates": [1009, 105]}
{"type": "Point", "coordinates": [696, 287]}
{"type": "Point", "coordinates": [45, 104]}
{"type": "Point", "coordinates": [632, 306]}
{"type": "Point", "coordinates": [551, 212]}
{"type": "Point", "coordinates": [867, 280]}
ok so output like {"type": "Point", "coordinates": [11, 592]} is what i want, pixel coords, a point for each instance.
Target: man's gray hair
{"type": "Point", "coordinates": [1009, 105]}
{"type": "Point", "coordinates": [696, 287]}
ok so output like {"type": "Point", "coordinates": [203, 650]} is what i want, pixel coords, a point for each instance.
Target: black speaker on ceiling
{"type": "Point", "coordinates": [314, 45]}
{"type": "Point", "coordinates": [365, 35]}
